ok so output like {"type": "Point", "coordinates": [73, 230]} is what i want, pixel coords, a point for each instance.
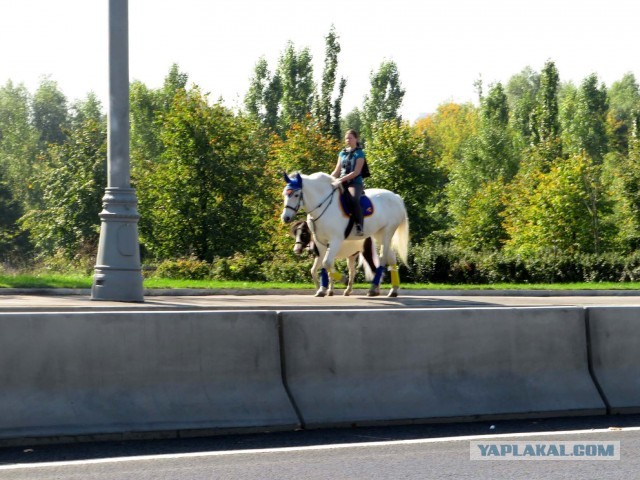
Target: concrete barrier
{"type": "Point", "coordinates": [615, 355]}
{"type": "Point", "coordinates": [113, 372]}
{"type": "Point", "coordinates": [362, 367]}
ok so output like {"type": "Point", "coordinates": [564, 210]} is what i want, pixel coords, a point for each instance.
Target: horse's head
{"type": "Point", "coordinates": [292, 194]}
{"type": "Point", "coordinates": [302, 234]}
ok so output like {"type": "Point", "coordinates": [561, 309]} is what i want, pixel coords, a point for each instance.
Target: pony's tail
{"type": "Point", "coordinates": [400, 241]}
{"type": "Point", "coordinates": [369, 259]}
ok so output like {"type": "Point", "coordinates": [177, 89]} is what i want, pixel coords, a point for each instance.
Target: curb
{"type": "Point", "coordinates": [203, 292]}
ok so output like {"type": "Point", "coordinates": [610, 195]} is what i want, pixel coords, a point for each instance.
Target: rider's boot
{"type": "Point", "coordinates": [358, 217]}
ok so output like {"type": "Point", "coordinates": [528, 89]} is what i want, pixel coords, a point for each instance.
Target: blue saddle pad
{"type": "Point", "coordinates": [365, 205]}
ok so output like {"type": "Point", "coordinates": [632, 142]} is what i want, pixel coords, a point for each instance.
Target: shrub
{"type": "Point", "coordinates": [184, 269]}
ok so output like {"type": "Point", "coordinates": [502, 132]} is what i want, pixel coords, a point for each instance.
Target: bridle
{"type": "Point", "coordinates": [297, 207]}
{"type": "Point", "coordinates": [310, 212]}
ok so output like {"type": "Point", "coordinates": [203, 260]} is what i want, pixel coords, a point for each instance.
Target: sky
{"type": "Point", "coordinates": [441, 47]}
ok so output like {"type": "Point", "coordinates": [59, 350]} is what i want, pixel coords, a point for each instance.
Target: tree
{"type": "Point", "coordinates": [545, 125]}
{"type": "Point", "coordinates": [148, 107]}
{"type": "Point", "coordinates": [262, 100]}
{"type": "Point", "coordinates": [295, 71]}
{"type": "Point", "coordinates": [198, 197]}
{"type": "Point", "coordinates": [353, 120]}
{"type": "Point", "coordinates": [384, 100]}
{"type": "Point", "coordinates": [73, 183]}
{"type": "Point", "coordinates": [13, 242]}
{"type": "Point", "coordinates": [488, 160]}
{"type": "Point", "coordinates": [624, 100]}
{"type": "Point", "coordinates": [50, 114]}
{"type": "Point", "coordinates": [584, 120]}
{"type": "Point", "coordinates": [326, 111]}
{"type": "Point", "coordinates": [18, 144]}
{"type": "Point", "coordinates": [448, 132]}
{"type": "Point", "coordinates": [561, 214]}
{"type": "Point", "coordinates": [399, 161]}
{"type": "Point", "coordinates": [522, 90]}
{"type": "Point", "coordinates": [621, 174]}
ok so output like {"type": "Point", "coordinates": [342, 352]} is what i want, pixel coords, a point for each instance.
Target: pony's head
{"type": "Point", "coordinates": [302, 234]}
{"type": "Point", "coordinates": [292, 194]}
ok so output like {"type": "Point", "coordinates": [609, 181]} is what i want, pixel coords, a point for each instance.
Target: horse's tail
{"type": "Point", "coordinates": [369, 259]}
{"type": "Point", "coordinates": [400, 240]}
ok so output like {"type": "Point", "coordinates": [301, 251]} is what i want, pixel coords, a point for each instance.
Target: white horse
{"type": "Point", "coordinates": [362, 248]}
{"type": "Point", "coordinates": [388, 225]}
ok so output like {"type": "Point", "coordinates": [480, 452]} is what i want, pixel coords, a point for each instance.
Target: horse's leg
{"type": "Point", "coordinates": [327, 265]}
{"type": "Point", "coordinates": [324, 277]}
{"type": "Point", "coordinates": [385, 248]}
{"type": "Point", "coordinates": [351, 262]}
{"type": "Point", "coordinates": [314, 271]}
{"type": "Point", "coordinates": [395, 276]}
{"type": "Point", "coordinates": [332, 281]}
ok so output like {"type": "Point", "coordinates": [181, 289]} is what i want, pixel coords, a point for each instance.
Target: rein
{"type": "Point", "coordinates": [328, 197]}
{"type": "Point", "coordinates": [312, 227]}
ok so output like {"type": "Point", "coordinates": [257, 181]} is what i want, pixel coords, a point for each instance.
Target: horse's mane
{"type": "Point", "coordinates": [322, 175]}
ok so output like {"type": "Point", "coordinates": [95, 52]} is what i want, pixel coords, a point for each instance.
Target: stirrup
{"type": "Point", "coordinates": [359, 231]}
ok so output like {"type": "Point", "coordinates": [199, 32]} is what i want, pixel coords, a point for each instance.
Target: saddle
{"type": "Point", "coordinates": [345, 204]}
{"type": "Point", "coordinates": [365, 204]}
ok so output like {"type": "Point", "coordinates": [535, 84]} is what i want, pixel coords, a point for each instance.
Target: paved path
{"type": "Point", "coordinates": [77, 300]}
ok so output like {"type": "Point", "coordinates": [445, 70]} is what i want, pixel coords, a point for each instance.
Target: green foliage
{"type": "Point", "coordinates": [487, 162]}
{"type": "Point", "coordinates": [437, 263]}
{"type": "Point", "coordinates": [50, 114]}
{"type": "Point", "coordinates": [13, 242]}
{"type": "Point", "coordinates": [539, 182]}
{"type": "Point", "coordinates": [521, 91]}
{"type": "Point", "coordinates": [384, 100]}
{"type": "Point", "coordinates": [624, 102]}
{"type": "Point", "coordinates": [263, 97]}
{"type": "Point", "coordinates": [481, 229]}
{"type": "Point", "coordinates": [545, 124]}
{"type": "Point", "coordinates": [73, 183]}
{"type": "Point", "coordinates": [399, 161]}
{"type": "Point", "coordinates": [353, 120]}
{"type": "Point", "coordinates": [184, 269]}
{"type": "Point", "coordinates": [326, 111]}
{"type": "Point", "coordinates": [584, 120]}
{"type": "Point", "coordinates": [556, 212]}
{"type": "Point", "coordinates": [198, 198]}
{"type": "Point", "coordinates": [18, 144]}
{"type": "Point", "coordinates": [295, 70]}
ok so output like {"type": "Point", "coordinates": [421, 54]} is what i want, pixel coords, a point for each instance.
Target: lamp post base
{"type": "Point", "coordinates": [117, 285]}
{"type": "Point", "coordinates": [118, 274]}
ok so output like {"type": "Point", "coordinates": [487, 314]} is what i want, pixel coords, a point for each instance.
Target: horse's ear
{"type": "Point", "coordinates": [286, 177]}
{"type": "Point", "coordinates": [299, 178]}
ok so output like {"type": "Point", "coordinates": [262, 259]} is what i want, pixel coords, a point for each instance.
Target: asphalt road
{"type": "Point", "coordinates": [410, 452]}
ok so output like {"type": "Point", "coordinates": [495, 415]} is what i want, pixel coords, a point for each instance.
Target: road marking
{"type": "Point", "coordinates": [336, 446]}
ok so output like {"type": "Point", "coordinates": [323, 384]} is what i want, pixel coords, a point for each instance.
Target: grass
{"type": "Point", "coordinates": [85, 281]}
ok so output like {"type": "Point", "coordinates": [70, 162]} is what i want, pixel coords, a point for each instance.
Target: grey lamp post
{"type": "Point", "coordinates": [118, 275]}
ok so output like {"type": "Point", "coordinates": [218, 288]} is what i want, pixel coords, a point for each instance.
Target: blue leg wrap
{"type": "Point", "coordinates": [324, 278]}
{"type": "Point", "coordinates": [378, 276]}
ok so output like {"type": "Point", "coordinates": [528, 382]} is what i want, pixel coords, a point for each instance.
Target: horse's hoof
{"type": "Point", "coordinates": [346, 293]}
{"type": "Point", "coordinates": [320, 293]}
{"type": "Point", "coordinates": [330, 293]}
{"type": "Point", "coordinates": [374, 292]}
{"type": "Point", "coordinates": [392, 294]}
